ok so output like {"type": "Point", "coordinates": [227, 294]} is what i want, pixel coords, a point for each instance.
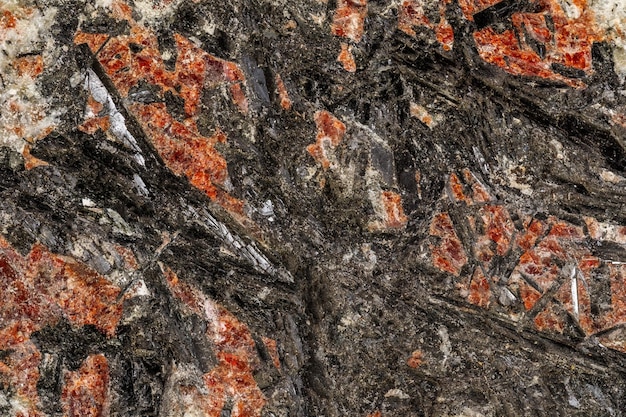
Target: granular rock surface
{"type": "Point", "coordinates": [312, 208]}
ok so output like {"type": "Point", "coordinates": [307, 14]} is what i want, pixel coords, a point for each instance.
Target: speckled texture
{"type": "Point", "coordinates": [312, 208]}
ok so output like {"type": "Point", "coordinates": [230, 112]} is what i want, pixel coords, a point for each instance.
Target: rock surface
{"type": "Point", "coordinates": [312, 208]}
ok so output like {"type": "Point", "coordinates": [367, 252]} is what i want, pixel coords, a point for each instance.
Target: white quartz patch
{"type": "Point", "coordinates": [25, 114]}
{"type": "Point", "coordinates": [610, 16]}
{"type": "Point", "coordinates": [606, 231]}
{"type": "Point", "coordinates": [149, 10]}
{"type": "Point", "coordinates": [397, 393]}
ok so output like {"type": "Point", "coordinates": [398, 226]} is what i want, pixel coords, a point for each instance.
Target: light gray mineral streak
{"type": "Point", "coordinates": [118, 123]}
{"type": "Point", "coordinates": [248, 251]}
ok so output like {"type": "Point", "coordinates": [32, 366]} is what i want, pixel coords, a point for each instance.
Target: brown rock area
{"type": "Point", "coordinates": [316, 208]}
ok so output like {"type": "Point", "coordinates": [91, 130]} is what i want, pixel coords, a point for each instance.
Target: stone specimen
{"type": "Point", "coordinates": [312, 208]}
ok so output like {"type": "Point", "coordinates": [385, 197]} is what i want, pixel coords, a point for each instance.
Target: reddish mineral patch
{"type": "Point", "coordinates": [566, 231]}
{"type": "Point", "coordinates": [550, 319]}
{"type": "Point", "coordinates": [483, 250]}
{"type": "Point", "coordinates": [94, 119]}
{"type": "Point", "coordinates": [617, 276]}
{"type": "Point", "coordinates": [561, 245]}
{"type": "Point", "coordinates": [555, 253]}
{"type": "Point", "coordinates": [89, 298]}
{"type": "Point", "coordinates": [394, 217]}
{"type": "Point", "coordinates": [236, 355]}
{"type": "Point", "coordinates": [7, 20]}
{"type": "Point", "coordinates": [30, 161]}
{"type": "Point", "coordinates": [421, 114]}
{"type": "Point", "coordinates": [235, 351]}
{"type": "Point", "coordinates": [130, 261]}
{"type": "Point", "coordinates": [471, 7]}
{"type": "Point", "coordinates": [130, 59]}
{"type": "Point", "coordinates": [39, 289]}
{"type": "Point", "coordinates": [461, 192]}
{"type": "Point", "coordinates": [272, 348]}
{"type": "Point", "coordinates": [416, 359]}
{"type": "Point", "coordinates": [445, 34]}
{"type": "Point", "coordinates": [457, 189]}
{"type": "Point", "coordinates": [533, 229]}
{"type": "Point", "coordinates": [283, 94]}
{"type": "Point", "coordinates": [412, 14]}
{"type": "Point", "coordinates": [346, 58]}
{"type": "Point", "coordinates": [20, 370]}
{"type": "Point", "coordinates": [528, 294]}
{"type": "Point", "coordinates": [190, 296]}
{"type": "Point", "coordinates": [93, 41]}
{"type": "Point", "coordinates": [575, 298]}
{"type": "Point", "coordinates": [498, 227]}
{"type": "Point", "coordinates": [448, 255]}
{"type": "Point", "coordinates": [330, 131]}
{"type": "Point", "coordinates": [479, 289]}
{"type": "Point", "coordinates": [85, 392]}
{"type": "Point", "coordinates": [544, 265]}
{"type": "Point", "coordinates": [539, 263]}
{"type": "Point", "coordinates": [418, 184]}
{"type": "Point", "coordinates": [46, 286]}
{"type": "Point", "coordinates": [481, 195]}
{"type": "Point", "coordinates": [566, 41]}
{"type": "Point", "coordinates": [31, 66]}
{"type": "Point", "coordinates": [93, 124]}
{"type": "Point", "coordinates": [187, 152]}
{"type": "Point", "coordinates": [349, 19]}
{"type": "Point", "coordinates": [121, 10]}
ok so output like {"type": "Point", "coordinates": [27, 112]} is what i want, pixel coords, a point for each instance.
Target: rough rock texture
{"type": "Point", "coordinates": [312, 208]}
